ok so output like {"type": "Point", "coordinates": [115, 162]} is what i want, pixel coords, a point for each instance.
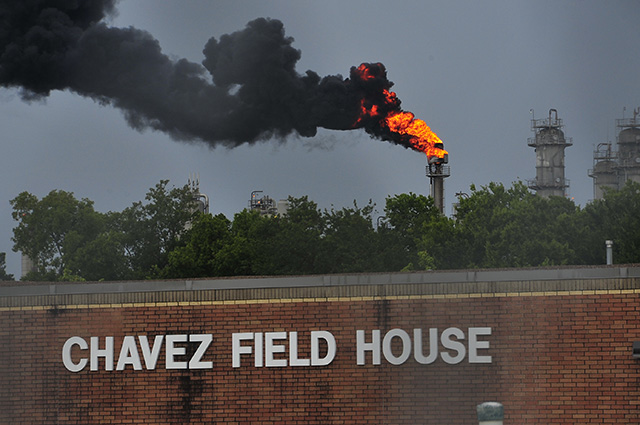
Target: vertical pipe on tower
{"type": "Point", "coordinates": [437, 188]}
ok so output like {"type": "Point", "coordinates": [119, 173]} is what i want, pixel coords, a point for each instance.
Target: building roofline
{"type": "Point", "coordinates": [17, 289]}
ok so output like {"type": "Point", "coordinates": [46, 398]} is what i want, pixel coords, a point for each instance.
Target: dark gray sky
{"type": "Point", "coordinates": [472, 70]}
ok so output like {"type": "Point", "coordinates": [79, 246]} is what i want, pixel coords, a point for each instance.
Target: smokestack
{"type": "Point", "coordinates": [609, 245]}
{"type": "Point", "coordinates": [245, 90]}
{"type": "Point", "coordinates": [437, 172]}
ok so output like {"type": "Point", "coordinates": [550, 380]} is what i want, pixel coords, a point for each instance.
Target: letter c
{"type": "Point", "coordinates": [66, 354]}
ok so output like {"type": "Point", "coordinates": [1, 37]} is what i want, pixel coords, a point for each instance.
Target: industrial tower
{"type": "Point", "coordinates": [202, 200]}
{"type": "Point", "coordinates": [267, 206]}
{"type": "Point", "coordinates": [605, 170]}
{"type": "Point", "coordinates": [612, 169]}
{"type": "Point", "coordinates": [437, 172]}
{"type": "Point", "coordinates": [549, 143]}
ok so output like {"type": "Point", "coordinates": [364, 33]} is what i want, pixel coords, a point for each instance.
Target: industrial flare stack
{"type": "Point", "coordinates": [437, 171]}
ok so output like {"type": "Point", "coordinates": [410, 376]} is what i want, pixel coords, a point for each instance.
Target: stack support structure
{"type": "Point", "coordinates": [549, 143]}
{"type": "Point", "coordinates": [437, 172]}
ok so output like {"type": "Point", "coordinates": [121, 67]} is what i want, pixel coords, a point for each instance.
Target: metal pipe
{"type": "Point", "coordinates": [206, 202]}
{"type": "Point", "coordinates": [609, 245]}
{"type": "Point", "coordinates": [437, 189]}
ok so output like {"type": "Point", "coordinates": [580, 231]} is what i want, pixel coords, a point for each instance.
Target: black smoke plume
{"type": "Point", "coordinates": [246, 89]}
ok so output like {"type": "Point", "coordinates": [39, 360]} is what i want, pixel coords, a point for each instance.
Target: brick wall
{"type": "Point", "coordinates": [561, 355]}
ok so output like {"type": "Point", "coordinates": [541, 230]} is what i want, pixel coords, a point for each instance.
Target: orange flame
{"type": "Point", "coordinates": [365, 72]}
{"type": "Point", "coordinates": [367, 111]}
{"type": "Point", "coordinates": [420, 137]}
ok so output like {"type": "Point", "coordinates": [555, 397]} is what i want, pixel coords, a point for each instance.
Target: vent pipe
{"type": "Point", "coordinates": [609, 245]}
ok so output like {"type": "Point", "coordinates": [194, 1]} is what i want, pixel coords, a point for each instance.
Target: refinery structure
{"type": "Point", "coordinates": [267, 206]}
{"type": "Point", "coordinates": [612, 168]}
{"type": "Point", "coordinates": [549, 143]}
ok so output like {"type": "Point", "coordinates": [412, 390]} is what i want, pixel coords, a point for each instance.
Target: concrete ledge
{"type": "Point", "coordinates": [378, 286]}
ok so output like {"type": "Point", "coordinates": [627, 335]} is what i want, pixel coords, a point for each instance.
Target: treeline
{"type": "Point", "coordinates": [163, 237]}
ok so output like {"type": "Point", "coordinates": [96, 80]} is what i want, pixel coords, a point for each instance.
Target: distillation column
{"type": "Point", "coordinates": [605, 170]}
{"type": "Point", "coordinates": [629, 149]}
{"type": "Point", "coordinates": [611, 169]}
{"type": "Point", "coordinates": [549, 143]}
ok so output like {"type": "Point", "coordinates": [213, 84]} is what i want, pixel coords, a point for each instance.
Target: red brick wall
{"type": "Point", "coordinates": [561, 358]}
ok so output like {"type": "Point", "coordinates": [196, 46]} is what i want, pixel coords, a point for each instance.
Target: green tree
{"type": "Point", "coordinates": [50, 230]}
{"type": "Point", "coordinates": [153, 229]}
{"type": "Point", "coordinates": [294, 240]}
{"type": "Point", "coordinates": [165, 237]}
{"type": "Point", "coordinates": [417, 231]}
{"type": "Point", "coordinates": [616, 217]}
{"type": "Point", "coordinates": [3, 264]}
{"type": "Point", "coordinates": [102, 258]}
{"type": "Point", "coordinates": [67, 239]}
{"type": "Point", "coordinates": [197, 256]}
{"type": "Point", "coordinates": [239, 256]}
{"type": "Point", "coordinates": [499, 227]}
{"type": "Point", "coordinates": [349, 241]}
{"type": "Point", "coordinates": [251, 244]}
{"type": "Point", "coordinates": [437, 247]}
{"type": "Point", "coordinates": [537, 231]}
